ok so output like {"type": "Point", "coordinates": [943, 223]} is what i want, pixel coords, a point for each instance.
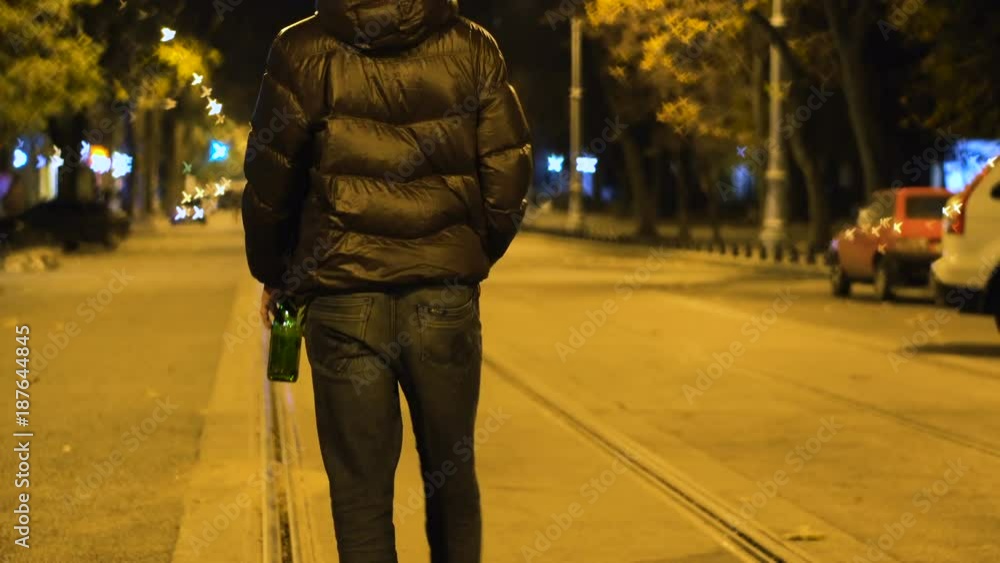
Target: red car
{"type": "Point", "coordinates": [895, 240]}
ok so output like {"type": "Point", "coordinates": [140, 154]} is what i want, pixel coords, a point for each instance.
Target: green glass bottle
{"type": "Point", "coordinates": [286, 343]}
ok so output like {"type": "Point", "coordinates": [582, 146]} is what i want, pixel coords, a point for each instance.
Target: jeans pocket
{"type": "Point", "coordinates": [335, 328]}
{"type": "Point", "coordinates": [451, 336]}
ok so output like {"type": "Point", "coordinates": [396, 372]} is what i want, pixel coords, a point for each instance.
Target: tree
{"type": "Point", "coordinates": [142, 75]}
{"type": "Point", "coordinates": [956, 81]}
{"type": "Point", "coordinates": [50, 67]}
{"type": "Point", "coordinates": [809, 125]}
{"type": "Point", "coordinates": [691, 62]}
{"type": "Point", "coordinates": [850, 27]}
{"type": "Point", "coordinates": [51, 73]}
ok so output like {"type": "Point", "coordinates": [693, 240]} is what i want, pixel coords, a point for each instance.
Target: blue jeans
{"type": "Point", "coordinates": [363, 348]}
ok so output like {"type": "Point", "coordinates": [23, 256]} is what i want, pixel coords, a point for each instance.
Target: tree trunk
{"type": "Point", "coordinates": [683, 192]}
{"type": "Point", "coordinates": [709, 187]}
{"type": "Point", "coordinates": [173, 182]}
{"type": "Point", "coordinates": [642, 200]}
{"type": "Point", "coordinates": [812, 172]}
{"type": "Point", "coordinates": [864, 120]}
{"type": "Point", "coordinates": [135, 182]}
{"type": "Point", "coordinates": [152, 141]}
{"type": "Point", "coordinates": [67, 134]}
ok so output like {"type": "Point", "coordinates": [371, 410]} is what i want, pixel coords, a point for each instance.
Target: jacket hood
{"type": "Point", "coordinates": [374, 25]}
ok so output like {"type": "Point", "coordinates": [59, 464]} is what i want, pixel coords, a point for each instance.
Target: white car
{"type": "Point", "coordinates": [967, 276]}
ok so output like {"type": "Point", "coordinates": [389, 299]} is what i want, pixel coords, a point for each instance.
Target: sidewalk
{"type": "Point", "coordinates": [739, 242]}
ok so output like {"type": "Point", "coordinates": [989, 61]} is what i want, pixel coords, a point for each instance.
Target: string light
{"type": "Point", "coordinates": [168, 35]}
{"type": "Point", "coordinates": [218, 151]}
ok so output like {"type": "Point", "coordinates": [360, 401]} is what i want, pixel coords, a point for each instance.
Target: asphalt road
{"type": "Point", "coordinates": [832, 423]}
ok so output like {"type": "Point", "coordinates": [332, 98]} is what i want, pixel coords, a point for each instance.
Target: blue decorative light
{"type": "Point", "coordinates": [967, 159]}
{"type": "Point", "coordinates": [121, 164]}
{"type": "Point", "coordinates": [20, 158]}
{"type": "Point", "coordinates": [586, 164]}
{"type": "Point", "coordinates": [218, 151]}
{"type": "Point", "coordinates": [84, 150]}
{"type": "Point", "coordinates": [181, 214]}
{"type": "Point", "coordinates": [41, 161]}
{"type": "Point", "coordinates": [199, 213]}
{"type": "Point", "coordinates": [556, 162]}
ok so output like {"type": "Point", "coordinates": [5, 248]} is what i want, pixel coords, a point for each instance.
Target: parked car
{"type": "Point", "coordinates": [967, 275]}
{"type": "Point", "coordinates": [893, 243]}
{"type": "Point", "coordinates": [72, 223]}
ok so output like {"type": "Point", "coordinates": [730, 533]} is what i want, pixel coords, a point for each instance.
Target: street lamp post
{"type": "Point", "coordinates": [774, 232]}
{"type": "Point", "coordinates": [575, 220]}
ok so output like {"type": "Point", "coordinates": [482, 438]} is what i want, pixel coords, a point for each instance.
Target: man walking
{"type": "Point", "coordinates": [387, 167]}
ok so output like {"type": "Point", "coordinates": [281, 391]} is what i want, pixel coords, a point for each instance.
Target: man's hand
{"type": "Point", "coordinates": [269, 305]}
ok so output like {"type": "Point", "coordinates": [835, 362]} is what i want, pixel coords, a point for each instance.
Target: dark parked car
{"type": "Point", "coordinates": [70, 224]}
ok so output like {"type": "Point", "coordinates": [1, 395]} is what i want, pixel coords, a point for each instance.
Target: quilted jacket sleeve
{"type": "Point", "coordinates": [505, 153]}
{"type": "Point", "coordinates": [276, 167]}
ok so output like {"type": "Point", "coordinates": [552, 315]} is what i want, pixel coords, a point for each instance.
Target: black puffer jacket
{"type": "Point", "coordinates": [387, 149]}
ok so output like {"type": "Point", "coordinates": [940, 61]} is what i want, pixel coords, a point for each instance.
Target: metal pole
{"type": "Point", "coordinates": [575, 222]}
{"type": "Point", "coordinates": [775, 209]}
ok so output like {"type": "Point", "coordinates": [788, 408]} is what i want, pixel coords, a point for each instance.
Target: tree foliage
{"type": "Point", "coordinates": [957, 79]}
{"type": "Point", "coordinates": [693, 55]}
{"type": "Point", "coordinates": [49, 65]}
